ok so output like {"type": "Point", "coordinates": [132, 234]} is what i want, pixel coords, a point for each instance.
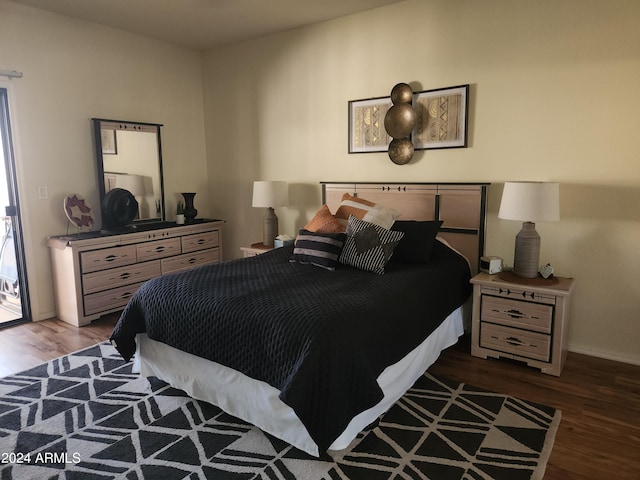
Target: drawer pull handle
{"type": "Point", "coordinates": [192, 260]}
{"type": "Point", "coordinates": [514, 341]}
{"type": "Point", "coordinates": [515, 313]}
{"type": "Point", "coordinates": [160, 249]}
{"type": "Point", "coordinates": [201, 241]}
{"type": "Point", "coordinates": [125, 295]}
{"type": "Point", "coordinates": [124, 276]}
{"type": "Point", "coordinates": [110, 258]}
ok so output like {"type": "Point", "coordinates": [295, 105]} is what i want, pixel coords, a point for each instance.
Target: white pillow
{"type": "Point", "coordinates": [381, 216]}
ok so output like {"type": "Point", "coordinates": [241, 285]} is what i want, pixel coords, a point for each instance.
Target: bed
{"type": "Point", "coordinates": [311, 354]}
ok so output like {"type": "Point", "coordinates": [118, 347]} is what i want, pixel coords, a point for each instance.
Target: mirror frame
{"type": "Point", "coordinates": [128, 126]}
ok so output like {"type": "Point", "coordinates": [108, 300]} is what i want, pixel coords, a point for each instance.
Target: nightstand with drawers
{"type": "Point", "coordinates": [521, 319]}
{"type": "Point", "coordinates": [255, 249]}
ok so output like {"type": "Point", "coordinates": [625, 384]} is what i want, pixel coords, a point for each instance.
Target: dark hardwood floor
{"type": "Point", "coordinates": [598, 437]}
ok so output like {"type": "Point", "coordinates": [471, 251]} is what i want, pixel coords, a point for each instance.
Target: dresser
{"type": "Point", "coordinates": [521, 319]}
{"type": "Point", "coordinates": [95, 274]}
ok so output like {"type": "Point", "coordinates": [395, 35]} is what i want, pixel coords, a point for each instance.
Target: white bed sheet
{"type": "Point", "coordinates": [257, 402]}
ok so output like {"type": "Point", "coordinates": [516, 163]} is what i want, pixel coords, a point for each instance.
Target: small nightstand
{"type": "Point", "coordinates": [521, 319]}
{"type": "Point", "coordinates": [255, 249]}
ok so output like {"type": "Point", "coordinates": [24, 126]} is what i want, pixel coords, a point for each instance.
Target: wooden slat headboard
{"type": "Point", "coordinates": [461, 207]}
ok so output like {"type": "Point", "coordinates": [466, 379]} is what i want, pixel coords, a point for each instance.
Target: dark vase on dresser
{"type": "Point", "coordinates": [190, 211]}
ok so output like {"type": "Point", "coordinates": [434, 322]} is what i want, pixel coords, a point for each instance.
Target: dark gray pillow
{"type": "Point", "coordinates": [418, 240]}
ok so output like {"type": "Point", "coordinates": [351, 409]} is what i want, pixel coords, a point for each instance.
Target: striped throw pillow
{"type": "Point", "coordinates": [368, 246]}
{"type": "Point", "coordinates": [320, 249]}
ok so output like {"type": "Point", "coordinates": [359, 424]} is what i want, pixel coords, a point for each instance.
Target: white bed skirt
{"type": "Point", "coordinates": [258, 402]}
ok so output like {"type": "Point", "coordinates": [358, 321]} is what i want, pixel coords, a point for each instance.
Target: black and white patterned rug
{"type": "Point", "coordinates": [86, 416]}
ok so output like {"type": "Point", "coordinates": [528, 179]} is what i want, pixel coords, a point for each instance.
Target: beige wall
{"type": "Point", "coordinates": [73, 71]}
{"type": "Point", "coordinates": [554, 96]}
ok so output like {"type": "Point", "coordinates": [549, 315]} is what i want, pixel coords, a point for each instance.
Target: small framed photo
{"type": "Point", "coordinates": [442, 118]}
{"type": "Point", "coordinates": [366, 125]}
{"type": "Point", "coordinates": [109, 143]}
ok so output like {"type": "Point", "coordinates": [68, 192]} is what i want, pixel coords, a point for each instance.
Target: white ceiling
{"type": "Point", "coordinates": [204, 24]}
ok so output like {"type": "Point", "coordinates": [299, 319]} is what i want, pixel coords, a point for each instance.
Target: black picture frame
{"type": "Point", "coordinates": [442, 118]}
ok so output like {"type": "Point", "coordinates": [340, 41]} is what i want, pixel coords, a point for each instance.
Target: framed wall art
{"type": "Point", "coordinates": [109, 143]}
{"type": "Point", "coordinates": [442, 118]}
{"type": "Point", "coordinates": [366, 125]}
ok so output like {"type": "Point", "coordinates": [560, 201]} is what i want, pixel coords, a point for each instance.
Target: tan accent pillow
{"type": "Point", "coordinates": [350, 205]}
{"type": "Point", "coordinates": [324, 222]}
{"type": "Point", "coordinates": [365, 210]}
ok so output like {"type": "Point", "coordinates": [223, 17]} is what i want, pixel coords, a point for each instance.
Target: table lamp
{"type": "Point", "coordinates": [529, 202]}
{"type": "Point", "coordinates": [269, 194]}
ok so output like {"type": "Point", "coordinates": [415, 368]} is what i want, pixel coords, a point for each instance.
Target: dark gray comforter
{"type": "Point", "coordinates": [320, 337]}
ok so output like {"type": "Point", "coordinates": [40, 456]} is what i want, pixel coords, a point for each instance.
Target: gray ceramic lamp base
{"type": "Point", "coordinates": [269, 227]}
{"type": "Point", "coordinates": [527, 255]}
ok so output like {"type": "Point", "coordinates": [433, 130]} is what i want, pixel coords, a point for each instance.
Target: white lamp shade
{"type": "Point", "coordinates": [530, 201]}
{"type": "Point", "coordinates": [132, 183]}
{"type": "Point", "coordinates": [270, 194]}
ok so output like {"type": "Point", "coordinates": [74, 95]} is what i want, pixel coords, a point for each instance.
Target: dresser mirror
{"type": "Point", "coordinates": [129, 157]}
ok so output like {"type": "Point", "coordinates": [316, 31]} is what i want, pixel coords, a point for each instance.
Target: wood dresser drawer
{"type": "Point", "coordinates": [115, 277]}
{"type": "Point", "coordinates": [517, 342]}
{"type": "Point", "coordinates": [516, 313]}
{"type": "Point", "coordinates": [182, 262]}
{"type": "Point", "coordinates": [109, 299]}
{"type": "Point", "coordinates": [199, 241]}
{"type": "Point", "coordinates": [95, 260]}
{"type": "Point", "coordinates": [158, 249]}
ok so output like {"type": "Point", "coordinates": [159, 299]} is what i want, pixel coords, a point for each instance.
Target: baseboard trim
{"type": "Point", "coordinates": [605, 355]}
